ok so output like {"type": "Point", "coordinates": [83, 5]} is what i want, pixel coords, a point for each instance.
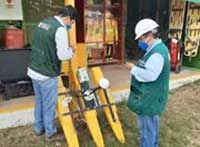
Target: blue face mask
{"type": "Point", "coordinates": [68, 26]}
{"type": "Point", "coordinates": [143, 45]}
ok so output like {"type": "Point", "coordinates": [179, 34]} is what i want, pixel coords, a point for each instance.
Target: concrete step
{"type": "Point", "coordinates": [20, 111]}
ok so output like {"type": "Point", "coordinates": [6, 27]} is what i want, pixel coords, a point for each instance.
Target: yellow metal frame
{"type": "Point", "coordinates": [70, 68]}
{"type": "Point", "coordinates": [115, 125]}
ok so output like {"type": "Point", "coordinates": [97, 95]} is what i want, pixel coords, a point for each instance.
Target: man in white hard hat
{"type": "Point", "coordinates": [150, 82]}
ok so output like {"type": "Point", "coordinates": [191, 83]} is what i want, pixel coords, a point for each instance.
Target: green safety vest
{"type": "Point", "coordinates": [150, 98]}
{"type": "Point", "coordinates": [44, 59]}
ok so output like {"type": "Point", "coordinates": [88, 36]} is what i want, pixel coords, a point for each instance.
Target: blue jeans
{"type": "Point", "coordinates": [46, 93]}
{"type": "Point", "coordinates": [149, 130]}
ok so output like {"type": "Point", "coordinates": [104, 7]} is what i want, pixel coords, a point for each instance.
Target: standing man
{"type": "Point", "coordinates": [150, 82]}
{"type": "Point", "coordinates": [50, 46]}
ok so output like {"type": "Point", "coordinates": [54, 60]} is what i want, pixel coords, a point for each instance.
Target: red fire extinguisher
{"type": "Point", "coordinates": [176, 50]}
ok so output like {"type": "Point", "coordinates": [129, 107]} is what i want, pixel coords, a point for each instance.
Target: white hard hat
{"type": "Point", "coordinates": [144, 26]}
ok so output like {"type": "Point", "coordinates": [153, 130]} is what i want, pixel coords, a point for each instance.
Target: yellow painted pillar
{"type": "Point", "coordinates": [80, 60]}
{"type": "Point", "coordinates": [66, 120]}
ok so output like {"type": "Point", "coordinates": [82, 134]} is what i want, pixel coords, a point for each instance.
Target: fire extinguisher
{"type": "Point", "coordinates": [176, 51]}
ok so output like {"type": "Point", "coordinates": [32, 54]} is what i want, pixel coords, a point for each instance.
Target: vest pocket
{"type": "Point", "coordinates": [136, 92]}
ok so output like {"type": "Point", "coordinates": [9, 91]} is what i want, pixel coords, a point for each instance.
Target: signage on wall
{"type": "Point", "coordinates": [9, 3]}
{"type": "Point", "coordinates": [11, 10]}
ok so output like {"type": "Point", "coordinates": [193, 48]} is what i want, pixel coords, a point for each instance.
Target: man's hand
{"type": "Point", "coordinates": [129, 65]}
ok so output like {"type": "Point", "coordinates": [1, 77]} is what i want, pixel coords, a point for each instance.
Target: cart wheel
{"type": "Point", "coordinates": [178, 68]}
